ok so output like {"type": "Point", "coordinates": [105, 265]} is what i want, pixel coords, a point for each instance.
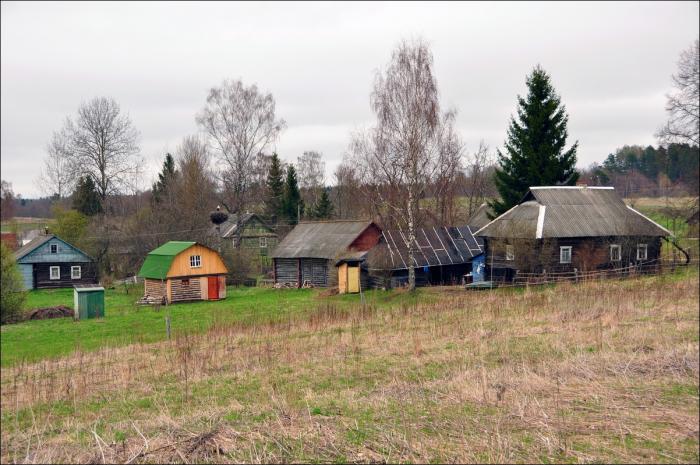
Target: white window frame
{"type": "Point", "coordinates": [195, 261]}
{"type": "Point", "coordinates": [72, 272]}
{"type": "Point", "coordinates": [58, 274]}
{"type": "Point", "coordinates": [53, 248]}
{"type": "Point", "coordinates": [643, 247]}
{"type": "Point", "coordinates": [510, 253]}
{"type": "Point", "coordinates": [619, 253]}
{"type": "Point", "coordinates": [263, 242]}
{"type": "Point", "coordinates": [562, 249]}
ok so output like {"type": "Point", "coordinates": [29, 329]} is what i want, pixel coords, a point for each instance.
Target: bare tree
{"type": "Point", "coordinates": [103, 144]}
{"type": "Point", "coordinates": [57, 177]}
{"type": "Point", "coordinates": [347, 191]}
{"type": "Point", "coordinates": [479, 177]}
{"type": "Point", "coordinates": [449, 168]}
{"type": "Point", "coordinates": [7, 201]}
{"type": "Point", "coordinates": [241, 123]}
{"type": "Point", "coordinates": [683, 105]}
{"type": "Point", "coordinates": [401, 155]}
{"type": "Point", "coordinates": [311, 175]}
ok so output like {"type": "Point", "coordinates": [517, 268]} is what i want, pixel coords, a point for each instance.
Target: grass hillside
{"type": "Point", "coordinates": [596, 372]}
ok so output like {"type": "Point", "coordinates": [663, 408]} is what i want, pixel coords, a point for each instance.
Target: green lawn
{"type": "Point", "coordinates": [125, 323]}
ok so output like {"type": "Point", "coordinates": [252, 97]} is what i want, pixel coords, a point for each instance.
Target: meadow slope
{"type": "Point", "coordinates": [595, 372]}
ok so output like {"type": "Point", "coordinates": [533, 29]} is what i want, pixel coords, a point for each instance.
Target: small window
{"type": "Point", "coordinates": [185, 282]}
{"type": "Point", "coordinates": [641, 251]}
{"type": "Point", "coordinates": [195, 261]}
{"type": "Point", "coordinates": [615, 253]}
{"type": "Point", "coordinates": [510, 252]}
{"type": "Point", "coordinates": [54, 248]}
{"type": "Point", "coordinates": [565, 254]}
{"type": "Point", "coordinates": [75, 272]}
{"type": "Point", "coordinates": [54, 272]}
{"type": "Point", "coordinates": [263, 242]}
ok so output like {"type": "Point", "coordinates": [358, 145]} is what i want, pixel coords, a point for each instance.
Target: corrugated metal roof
{"type": "Point", "coordinates": [435, 246]}
{"type": "Point", "coordinates": [571, 212]}
{"type": "Point", "coordinates": [319, 239]}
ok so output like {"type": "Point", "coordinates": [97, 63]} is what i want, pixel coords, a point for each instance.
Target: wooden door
{"type": "Point", "coordinates": [353, 279]}
{"type": "Point", "coordinates": [213, 288]}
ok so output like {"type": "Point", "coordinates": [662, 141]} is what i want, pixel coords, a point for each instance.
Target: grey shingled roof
{"type": "Point", "coordinates": [550, 212]}
{"type": "Point", "coordinates": [319, 239]}
{"type": "Point", "coordinates": [435, 246]}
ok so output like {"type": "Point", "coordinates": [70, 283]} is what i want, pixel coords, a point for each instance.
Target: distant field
{"type": "Point", "coordinates": [21, 224]}
{"type": "Point", "coordinates": [605, 371]}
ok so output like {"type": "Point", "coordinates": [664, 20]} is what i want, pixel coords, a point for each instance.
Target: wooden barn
{"type": "Point", "coordinates": [443, 255]}
{"type": "Point", "coordinates": [565, 229]}
{"type": "Point", "coordinates": [48, 261]}
{"type": "Point", "coordinates": [180, 271]}
{"type": "Point", "coordinates": [308, 254]}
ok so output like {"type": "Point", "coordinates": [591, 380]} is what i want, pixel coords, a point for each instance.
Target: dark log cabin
{"type": "Point", "coordinates": [567, 229]}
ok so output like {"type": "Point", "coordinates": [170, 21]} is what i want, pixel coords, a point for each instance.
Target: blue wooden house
{"type": "Point", "coordinates": [49, 262]}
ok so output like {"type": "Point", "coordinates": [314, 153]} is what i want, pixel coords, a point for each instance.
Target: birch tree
{"type": "Point", "coordinates": [401, 155]}
{"type": "Point", "coordinates": [57, 177]}
{"type": "Point", "coordinates": [683, 106]}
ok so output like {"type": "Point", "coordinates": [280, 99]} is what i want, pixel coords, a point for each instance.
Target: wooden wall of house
{"type": "Point", "coordinates": [286, 271]}
{"type": "Point", "coordinates": [318, 271]}
{"type": "Point", "coordinates": [211, 263]}
{"type": "Point", "coordinates": [367, 239]}
{"type": "Point", "coordinates": [41, 275]}
{"type": "Point", "coordinates": [183, 289]}
{"type": "Point", "coordinates": [587, 254]}
{"type": "Point", "coordinates": [155, 288]}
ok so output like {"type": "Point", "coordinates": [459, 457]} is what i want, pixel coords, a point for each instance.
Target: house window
{"type": "Point", "coordinates": [263, 242]}
{"type": "Point", "coordinates": [195, 261]}
{"type": "Point", "coordinates": [75, 272]}
{"type": "Point", "coordinates": [641, 251]}
{"type": "Point", "coordinates": [615, 253]}
{"type": "Point", "coordinates": [54, 272]}
{"type": "Point", "coordinates": [565, 254]}
{"type": "Point", "coordinates": [185, 282]}
{"type": "Point", "coordinates": [510, 252]}
{"type": "Point", "coordinates": [54, 248]}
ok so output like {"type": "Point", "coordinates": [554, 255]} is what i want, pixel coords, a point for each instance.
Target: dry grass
{"type": "Point", "coordinates": [602, 371]}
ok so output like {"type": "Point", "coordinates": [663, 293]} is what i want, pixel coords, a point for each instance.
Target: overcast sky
{"type": "Point", "coordinates": [610, 62]}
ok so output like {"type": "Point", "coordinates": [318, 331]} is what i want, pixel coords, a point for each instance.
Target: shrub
{"type": "Point", "coordinates": [12, 293]}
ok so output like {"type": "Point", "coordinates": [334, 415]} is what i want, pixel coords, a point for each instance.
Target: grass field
{"type": "Point", "coordinates": [21, 224]}
{"type": "Point", "coordinates": [126, 323]}
{"type": "Point", "coordinates": [604, 371]}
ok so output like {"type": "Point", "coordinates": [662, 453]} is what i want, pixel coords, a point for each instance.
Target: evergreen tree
{"type": "Point", "coordinates": [275, 188]}
{"type": "Point", "coordinates": [86, 199]}
{"type": "Point", "coordinates": [292, 203]}
{"type": "Point", "coordinates": [534, 148]}
{"type": "Point", "coordinates": [165, 179]}
{"type": "Point", "coordinates": [323, 208]}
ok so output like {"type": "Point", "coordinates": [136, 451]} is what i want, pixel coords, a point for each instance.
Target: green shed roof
{"type": "Point", "coordinates": [158, 261]}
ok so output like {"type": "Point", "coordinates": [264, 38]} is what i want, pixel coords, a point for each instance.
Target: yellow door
{"type": "Point", "coordinates": [353, 279]}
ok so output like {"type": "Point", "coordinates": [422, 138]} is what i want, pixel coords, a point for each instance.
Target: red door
{"type": "Point", "coordinates": [213, 288]}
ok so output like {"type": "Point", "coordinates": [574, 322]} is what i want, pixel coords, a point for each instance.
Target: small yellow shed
{"type": "Point", "coordinates": [350, 273]}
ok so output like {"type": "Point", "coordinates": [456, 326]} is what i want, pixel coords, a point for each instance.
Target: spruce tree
{"type": "Point", "coordinates": [534, 148]}
{"type": "Point", "coordinates": [292, 203]}
{"type": "Point", "coordinates": [275, 188]}
{"type": "Point", "coordinates": [86, 199]}
{"type": "Point", "coordinates": [323, 208]}
{"type": "Point", "coordinates": [165, 178]}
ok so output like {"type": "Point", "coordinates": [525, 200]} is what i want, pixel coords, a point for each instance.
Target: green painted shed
{"type": "Point", "coordinates": [88, 302]}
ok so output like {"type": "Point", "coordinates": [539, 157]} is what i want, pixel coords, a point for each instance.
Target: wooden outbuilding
{"type": "Point", "coordinates": [570, 229]}
{"type": "Point", "coordinates": [48, 261]}
{"type": "Point", "coordinates": [308, 254]}
{"type": "Point", "coordinates": [181, 271]}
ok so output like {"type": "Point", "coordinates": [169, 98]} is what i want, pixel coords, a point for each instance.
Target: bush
{"type": "Point", "coordinates": [12, 293]}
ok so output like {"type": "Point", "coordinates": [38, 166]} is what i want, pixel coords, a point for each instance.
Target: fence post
{"type": "Point", "coordinates": [167, 326]}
